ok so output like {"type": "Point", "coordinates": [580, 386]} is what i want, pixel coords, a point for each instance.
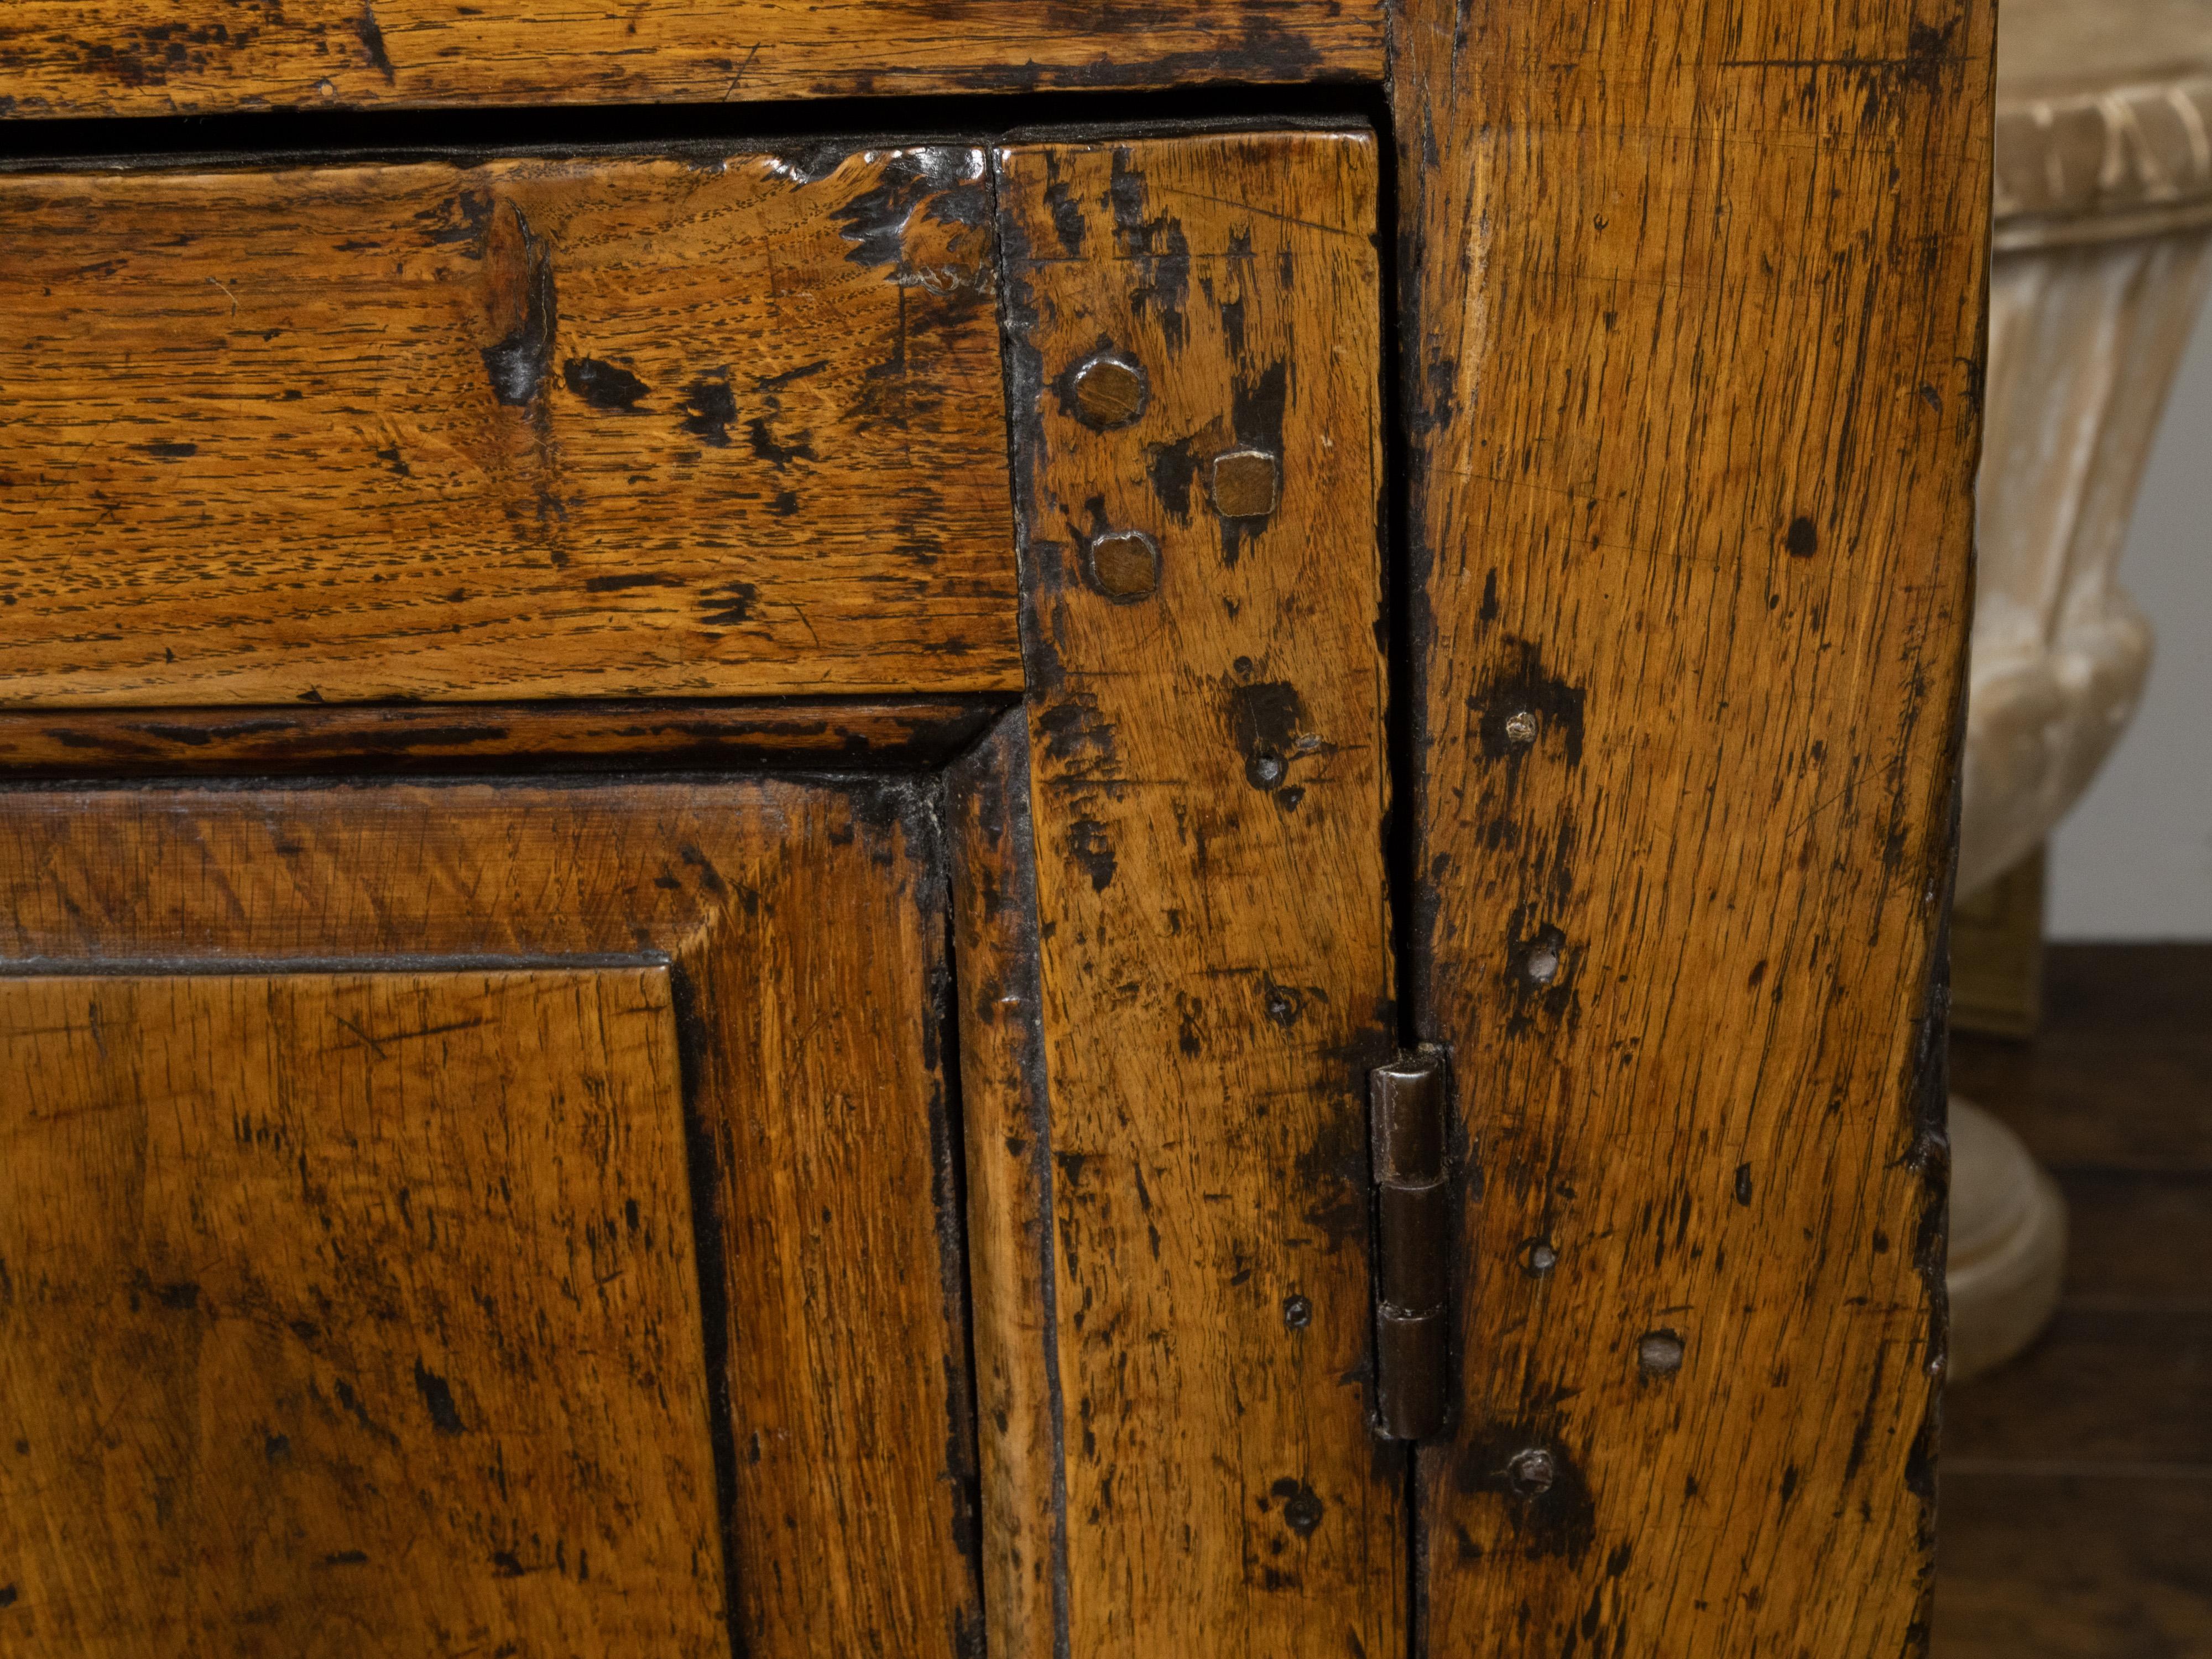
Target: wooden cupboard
{"type": "Point", "coordinates": [949, 887]}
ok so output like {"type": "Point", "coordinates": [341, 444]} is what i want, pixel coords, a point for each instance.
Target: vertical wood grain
{"type": "Point", "coordinates": [822, 1087]}
{"type": "Point", "coordinates": [787, 939]}
{"type": "Point", "coordinates": [345, 1314]}
{"type": "Point", "coordinates": [1206, 740]}
{"type": "Point", "coordinates": [1693, 365]}
{"type": "Point", "coordinates": [1006, 1111]}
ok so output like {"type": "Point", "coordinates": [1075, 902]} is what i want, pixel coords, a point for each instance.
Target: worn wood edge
{"type": "Point", "coordinates": [1006, 1115]}
{"type": "Point", "coordinates": [704, 55]}
{"type": "Point", "coordinates": [1110, 1589]}
{"type": "Point", "coordinates": [907, 811]}
{"type": "Point", "coordinates": [1438, 223]}
{"type": "Point", "coordinates": [383, 739]}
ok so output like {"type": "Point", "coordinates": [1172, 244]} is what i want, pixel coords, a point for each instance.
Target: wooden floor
{"type": "Point", "coordinates": [2076, 1509]}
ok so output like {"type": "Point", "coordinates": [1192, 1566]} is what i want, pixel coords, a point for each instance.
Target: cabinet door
{"type": "Point", "coordinates": [650, 1004]}
{"type": "Point", "coordinates": [458, 1217]}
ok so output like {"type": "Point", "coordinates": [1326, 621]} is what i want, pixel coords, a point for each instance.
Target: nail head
{"type": "Point", "coordinates": [1109, 391]}
{"type": "Point", "coordinates": [1532, 1472]}
{"type": "Point", "coordinates": [1659, 1352]}
{"type": "Point", "coordinates": [1123, 565]}
{"type": "Point", "coordinates": [1246, 483]}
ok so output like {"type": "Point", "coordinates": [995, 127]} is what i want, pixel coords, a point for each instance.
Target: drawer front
{"type": "Point", "coordinates": [160, 56]}
{"type": "Point", "coordinates": [647, 425]}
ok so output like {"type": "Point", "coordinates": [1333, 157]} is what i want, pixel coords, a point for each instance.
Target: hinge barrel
{"type": "Point", "coordinates": [1413, 1220]}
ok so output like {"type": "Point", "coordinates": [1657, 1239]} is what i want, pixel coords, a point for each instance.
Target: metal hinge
{"type": "Point", "coordinates": [1413, 1273]}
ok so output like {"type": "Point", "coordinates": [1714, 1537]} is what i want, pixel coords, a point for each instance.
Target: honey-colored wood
{"type": "Point", "coordinates": [387, 738]}
{"type": "Point", "coordinates": [712, 423]}
{"type": "Point", "coordinates": [774, 948]}
{"type": "Point", "coordinates": [158, 57]}
{"type": "Point", "coordinates": [350, 1313]}
{"type": "Point", "coordinates": [1206, 758]}
{"type": "Point", "coordinates": [1005, 1108]}
{"type": "Point", "coordinates": [1692, 370]}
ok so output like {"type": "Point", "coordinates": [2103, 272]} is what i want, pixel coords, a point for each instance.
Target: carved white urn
{"type": "Point", "coordinates": [2103, 223]}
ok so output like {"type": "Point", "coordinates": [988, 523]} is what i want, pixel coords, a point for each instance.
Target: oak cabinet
{"type": "Point", "coordinates": [707, 840]}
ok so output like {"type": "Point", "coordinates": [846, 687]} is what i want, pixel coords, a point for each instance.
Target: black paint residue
{"type": "Point", "coordinates": [1266, 720]}
{"type": "Point", "coordinates": [1155, 246]}
{"type": "Point", "coordinates": [464, 217]}
{"type": "Point", "coordinates": [631, 579]}
{"type": "Point", "coordinates": [438, 1398]}
{"type": "Point", "coordinates": [1284, 1003]}
{"type": "Point", "coordinates": [372, 42]}
{"type": "Point", "coordinates": [929, 182]}
{"type": "Point", "coordinates": [1330, 1178]}
{"type": "Point", "coordinates": [790, 376]}
{"type": "Point", "coordinates": [709, 409]}
{"type": "Point", "coordinates": [775, 453]}
{"type": "Point", "coordinates": [1076, 734]}
{"type": "Point", "coordinates": [810, 164]}
{"type": "Point", "coordinates": [1559, 1520]}
{"type": "Point", "coordinates": [1066, 218]}
{"type": "Point", "coordinates": [1088, 845]}
{"type": "Point", "coordinates": [1173, 468]}
{"type": "Point", "coordinates": [516, 365]}
{"type": "Point", "coordinates": [1524, 685]}
{"type": "Point", "coordinates": [1302, 1506]}
{"type": "Point", "coordinates": [1255, 413]}
{"type": "Point", "coordinates": [729, 605]}
{"type": "Point", "coordinates": [603, 386]}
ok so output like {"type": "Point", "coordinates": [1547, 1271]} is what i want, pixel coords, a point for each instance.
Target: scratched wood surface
{"type": "Point", "coordinates": [1692, 369]}
{"type": "Point", "coordinates": [1205, 735]}
{"type": "Point", "coordinates": [160, 57]}
{"type": "Point", "coordinates": [350, 1313]}
{"type": "Point", "coordinates": [708, 423]}
{"type": "Point", "coordinates": [736, 981]}
{"type": "Point", "coordinates": [1006, 1112]}
{"type": "Point", "coordinates": [522, 737]}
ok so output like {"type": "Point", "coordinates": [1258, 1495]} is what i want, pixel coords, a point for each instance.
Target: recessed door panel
{"type": "Point", "coordinates": [453, 1219]}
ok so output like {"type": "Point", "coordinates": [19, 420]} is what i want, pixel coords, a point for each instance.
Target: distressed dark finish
{"type": "Point", "coordinates": [155, 57]}
{"type": "Point", "coordinates": [712, 424]}
{"type": "Point", "coordinates": [517, 1015]}
{"type": "Point", "coordinates": [1692, 361]}
{"type": "Point", "coordinates": [1208, 782]}
{"type": "Point", "coordinates": [522, 737]}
